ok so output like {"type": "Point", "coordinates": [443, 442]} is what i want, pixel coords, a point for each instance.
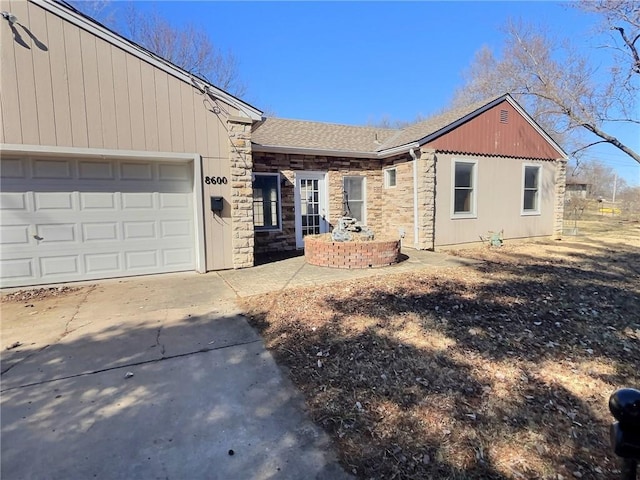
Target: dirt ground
{"type": "Point", "coordinates": [502, 369]}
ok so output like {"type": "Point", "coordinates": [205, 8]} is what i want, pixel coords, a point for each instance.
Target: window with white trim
{"type": "Point", "coordinates": [354, 198]}
{"type": "Point", "coordinates": [531, 189]}
{"type": "Point", "coordinates": [464, 189]}
{"type": "Point", "coordinates": [266, 201]}
{"type": "Point", "coordinates": [390, 177]}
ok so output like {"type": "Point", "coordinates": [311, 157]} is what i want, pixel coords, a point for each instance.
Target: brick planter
{"type": "Point", "coordinates": [326, 253]}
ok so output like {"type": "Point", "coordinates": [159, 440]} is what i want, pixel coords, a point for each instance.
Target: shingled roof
{"type": "Point", "coordinates": [273, 134]}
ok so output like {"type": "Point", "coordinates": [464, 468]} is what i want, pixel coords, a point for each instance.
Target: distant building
{"type": "Point", "coordinates": [576, 190]}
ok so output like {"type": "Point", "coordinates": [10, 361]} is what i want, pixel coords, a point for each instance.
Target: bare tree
{"type": "Point", "coordinates": [558, 85]}
{"type": "Point", "coordinates": [186, 46]}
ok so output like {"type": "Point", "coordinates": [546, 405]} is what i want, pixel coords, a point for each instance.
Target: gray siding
{"type": "Point", "coordinates": [499, 200]}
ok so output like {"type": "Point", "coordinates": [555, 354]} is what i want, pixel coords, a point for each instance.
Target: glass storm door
{"type": "Point", "coordinates": [311, 208]}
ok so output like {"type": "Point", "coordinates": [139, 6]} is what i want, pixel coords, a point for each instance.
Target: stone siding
{"type": "Point", "coordinates": [426, 199]}
{"type": "Point", "coordinates": [387, 211]}
{"type": "Point", "coordinates": [241, 191]}
{"type": "Point", "coordinates": [560, 188]}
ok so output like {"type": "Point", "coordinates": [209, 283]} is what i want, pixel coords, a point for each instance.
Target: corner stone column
{"type": "Point", "coordinates": [426, 199]}
{"type": "Point", "coordinates": [241, 190]}
{"type": "Point", "coordinates": [558, 204]}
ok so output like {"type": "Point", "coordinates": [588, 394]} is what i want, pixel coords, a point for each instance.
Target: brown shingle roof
{"type": "Point", "coordinates": [315, 135]}
{"type": "Point", "coordinates": [278, 132]}
{"type": "Point", "coordinates": [420, 130]}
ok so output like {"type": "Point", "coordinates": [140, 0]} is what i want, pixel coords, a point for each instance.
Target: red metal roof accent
{"type": "Point", "coordinates": [487, 135]}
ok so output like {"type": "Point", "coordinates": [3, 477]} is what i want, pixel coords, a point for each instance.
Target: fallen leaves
{"type": "Point", "coordinates": [498, 370]}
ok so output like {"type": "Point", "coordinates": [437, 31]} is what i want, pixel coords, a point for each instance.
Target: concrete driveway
{"type": "Point", "coordinates": [145, 378]}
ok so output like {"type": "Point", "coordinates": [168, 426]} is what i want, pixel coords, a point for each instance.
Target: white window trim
{"type": "Point", "coordinates": [474, 186]}
{"type": "Point", "coordinates": [524, 212]}
{"type": "Point", "coordinates": [385, 174]}
{"type": "Point", "coordinates": [364, 195]}
{"type": "Point", "coordinates": [279, 227]}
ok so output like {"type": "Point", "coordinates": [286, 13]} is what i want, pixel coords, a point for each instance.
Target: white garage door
{"type": "Point", "coordinates": [64, 220]}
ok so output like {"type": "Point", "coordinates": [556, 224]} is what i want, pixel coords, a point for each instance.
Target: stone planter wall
{"type": "Point", "coordinates": [376, 253]}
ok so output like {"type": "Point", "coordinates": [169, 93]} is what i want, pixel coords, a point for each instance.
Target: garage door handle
{"type": "Point", "coordinates": [38, 237]}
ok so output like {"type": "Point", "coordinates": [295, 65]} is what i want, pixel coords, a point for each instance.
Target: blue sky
{"type": "Point", "coordinates": [357, 62]}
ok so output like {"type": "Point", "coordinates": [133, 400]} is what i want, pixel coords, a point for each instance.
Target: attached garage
{"type": "Point", "coordinates": [67, 219]}
{"type": "Point", "coordinates": [111, 156]}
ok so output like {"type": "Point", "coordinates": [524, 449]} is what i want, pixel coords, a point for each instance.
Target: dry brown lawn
{"type": "Point", "coordinates": [502, 369]}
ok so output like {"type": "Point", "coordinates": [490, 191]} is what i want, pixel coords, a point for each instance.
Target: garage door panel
{"type": "Point", "coordinates": [136, 171]}
{"type": "Point", "coordinates": [175, 200]}
{"type": "Point", "coordinates": [84, 222]}
{"type": "Point", "coordinates": [178, 256]}
{"type": "Point", "coordinates": [137, 201]}
{"type": "Point", "coordinates": [96, 171]}
{"type": "Point", "coordinates": [14, 234]}
{"type": "Point", "coordinates": [59, 265]}
{"type": "Point", "coordinates": [18, 269]}
{"type": "Point", "coordinates": [13, 201]}
{"type": "Point", "coordinates": [52, 169]}
{"type": "Point", "coordinates": [174, 171]}
{"type": "Point", "coordinates": [100, 232]}
{"type": "Point", "coordinates": [97, 200]}
{"type": "Point", "coordinates": [13, 168]}
{"type": "Point", "coordinates": [57, 233]}
{"type": "Point", "coordinates": [97, 263]}
{"type": "Point", "coordinates": [53, 201]}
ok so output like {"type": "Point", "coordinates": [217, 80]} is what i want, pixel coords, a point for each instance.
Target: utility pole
{"type": "Point", "coordinates": [615, 184]}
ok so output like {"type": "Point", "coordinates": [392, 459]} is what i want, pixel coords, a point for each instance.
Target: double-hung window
{"type": "Point", "coordinates": [354, 198]}
{"type": "Point", "coordinates": [531, 190]}
{"type": "Point", "coordinates": [266, 201]}
{"type": "Point", "coordinates": [464, 188]}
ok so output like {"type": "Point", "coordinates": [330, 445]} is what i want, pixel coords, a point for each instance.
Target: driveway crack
{"type": "Point", "coordinates": [67, 327]}
{"type": "Point", "coordinates": [158, 344]}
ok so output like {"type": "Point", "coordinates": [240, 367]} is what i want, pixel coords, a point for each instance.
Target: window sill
{"type": "Point", "coordinates": [461, 216]}
{"type": "Point", "coordinates": [267, 229]}
{"type": "Point", "coordinates": [531, 213]}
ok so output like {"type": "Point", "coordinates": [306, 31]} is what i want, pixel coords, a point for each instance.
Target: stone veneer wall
{"type": "Point", "coordinates": [387, 211]}
{"type": "Point", "coordinates": [561, 185]}
{"type": "Point", "coordinates": [426, 199]}
{"type": "Point", "coordinates": [241, 191]}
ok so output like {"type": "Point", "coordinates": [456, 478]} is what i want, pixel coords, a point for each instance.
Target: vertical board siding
{"type": "Point", "coordinates": [107, 95]}
{"type": "Point", "coordinates": [175, 117]}
{"type": "Point", "coordinates": [486, 135]}
{"type": "Point", "coordinates": [136, 105]}
{"type": "Point", "coordinates": [164, 114]}
{"type": "Point", "coordinates": [59, 81]}
{"type": "Point", "coordinates": [42, 75]}
{"type": "Point", "coordinates": [81, 91]}
{"type": "Point", "coordinates": [121, 85]}
{"type": "Point", "coordinates": [91, 89]}
{"type": "Point", "coordinates": [188, 116]}
{"type": "Point", "coordinates": [77, 102]}
{"type": "Point", "coordinates": [9, 101]}
{"type": "Point", "coordinates": [25, 78]}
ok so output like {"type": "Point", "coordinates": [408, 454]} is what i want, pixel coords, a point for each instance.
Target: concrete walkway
{"type": "Point", "coordinates": [159, 377]}
{"type": "Point", "coordinates": [295, 272]}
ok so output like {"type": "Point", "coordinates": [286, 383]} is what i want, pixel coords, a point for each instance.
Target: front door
{"type": "Point", "coordinates": [311, 205]}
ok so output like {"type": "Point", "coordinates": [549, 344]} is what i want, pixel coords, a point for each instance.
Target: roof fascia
{"type": "Point", "coordinates": [390, 152]}
{"type": "Point", "coordinates": [158, 62]}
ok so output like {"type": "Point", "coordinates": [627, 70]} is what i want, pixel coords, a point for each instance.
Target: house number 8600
{"type": "Point", "coordinates": [215, 180]}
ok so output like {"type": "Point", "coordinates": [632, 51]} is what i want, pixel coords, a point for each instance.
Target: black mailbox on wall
{"type": "Point", "coordinates": [216, 204]}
